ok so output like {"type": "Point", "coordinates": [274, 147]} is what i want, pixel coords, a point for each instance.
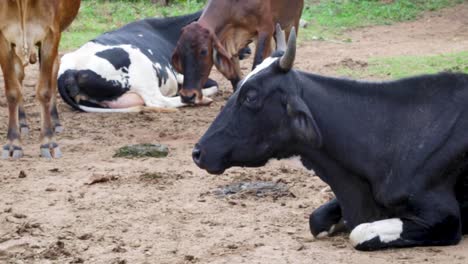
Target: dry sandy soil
{"type": "Point", "coordinates": [170, 215]}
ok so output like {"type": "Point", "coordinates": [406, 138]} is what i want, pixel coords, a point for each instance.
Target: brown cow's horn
{"type": "Point", "coordinates": [287, 61]}
{"type": "Point", "coordinates": [280, 38]}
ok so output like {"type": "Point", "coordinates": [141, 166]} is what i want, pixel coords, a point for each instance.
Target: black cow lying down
{"type": "Point", "coordinates": [126, 69]}
{"type": "Point", "coordinates": [394, 153]}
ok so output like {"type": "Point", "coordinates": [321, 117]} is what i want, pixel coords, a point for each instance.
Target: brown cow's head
{"type": "Point", "coordinates": [267, 117]}
{"type": "Point", "coordinates": [197, 50]}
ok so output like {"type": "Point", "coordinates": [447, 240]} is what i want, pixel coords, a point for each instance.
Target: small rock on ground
{"type": "Point", "coordinates": [142, 150]}
{"type": "Point", "coordinates": [257, 188]}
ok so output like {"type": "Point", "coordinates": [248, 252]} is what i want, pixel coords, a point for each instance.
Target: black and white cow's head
{"type": "Point", "coordinates": [266, 117]}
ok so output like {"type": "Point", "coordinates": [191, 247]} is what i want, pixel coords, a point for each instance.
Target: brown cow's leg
{"type": "Point", "coordinates": [263, 48]}
{"type": "Point", "coordinates": [287, 32]}
{"type": "Point", "coordinates": [23, 124]}
{"type": "Point", "coordinates": [45, 93]}
{"type": "Point", "coordinates": [14, 97]}
{"type": "Point", "coordinates": [237, 69]}
{"type": "Point", "coordinates": [58, 128]}
{"type": "Point", "coordinates": [24, 128]}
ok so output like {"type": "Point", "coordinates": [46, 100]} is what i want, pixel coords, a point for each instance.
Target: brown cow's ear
{"type": "Point", "coordinates": [176, 63]}
{"type": "Point", "coordinates": [222, 60]}
{"type": "Point", "coordinates": [303, 123]}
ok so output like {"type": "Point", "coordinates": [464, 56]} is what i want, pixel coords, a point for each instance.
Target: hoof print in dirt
{"type": "Point", "coordinates": [258, 189]}
{"type": "Point", "coordinates": [142, 150]}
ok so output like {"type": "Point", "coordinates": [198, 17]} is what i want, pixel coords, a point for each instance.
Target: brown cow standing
{"type": "Point", "coordinates": [225, 27]}
{"type": "Point", "coordinates": [24, 26]}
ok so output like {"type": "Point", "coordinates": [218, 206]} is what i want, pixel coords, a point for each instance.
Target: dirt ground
{"type": "Point", "coordinates": [164, 210]}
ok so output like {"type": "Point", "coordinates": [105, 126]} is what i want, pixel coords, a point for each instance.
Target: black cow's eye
{"type": "Point", "coordinates": [251, 96]}
{"type": "Point", "coordinates": [204, 52]}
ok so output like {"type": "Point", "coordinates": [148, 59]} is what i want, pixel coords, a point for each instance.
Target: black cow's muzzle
{"type": "Point", "coordinates": [198, 157]}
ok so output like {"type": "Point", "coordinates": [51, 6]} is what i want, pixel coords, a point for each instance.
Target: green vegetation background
{"type": "Point", "coordinates": [327, 19]}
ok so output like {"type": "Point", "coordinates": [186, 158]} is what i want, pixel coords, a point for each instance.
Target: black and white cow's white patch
{"type": "Point", "coordinates": [133, 60]}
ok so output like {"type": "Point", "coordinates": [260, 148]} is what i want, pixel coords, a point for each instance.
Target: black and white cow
{"type": "Point", "coordinates": [127, 69]}
{"type": "Point", "coordinates": [394, 153]}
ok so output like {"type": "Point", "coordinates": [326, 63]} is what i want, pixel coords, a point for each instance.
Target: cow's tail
{"type": "Point", "coordinates": [68, 88]}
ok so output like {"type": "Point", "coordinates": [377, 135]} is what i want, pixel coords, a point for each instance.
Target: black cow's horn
{"type": "Point", "coordinates": [287, 61]}
{"type": "Point", "coordinates": [280, 38]}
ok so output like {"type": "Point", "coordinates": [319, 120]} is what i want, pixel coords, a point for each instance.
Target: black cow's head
{"type": "Point", "coordinates": [197, 50]}
{"type": "Point", "coordinates": [265, 118]}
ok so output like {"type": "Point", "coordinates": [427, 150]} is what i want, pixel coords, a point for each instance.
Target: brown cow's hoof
{"type": "Point", "coordinates": [205, 101]}
{"type": "Point", "coordinates": [58, 129]}
{"type": "Point", "coordinates": [12, 151]}
{"type": "Point", "coordinates": [51, 151]}
{"type": "Point", "coordinates": [24, 130]}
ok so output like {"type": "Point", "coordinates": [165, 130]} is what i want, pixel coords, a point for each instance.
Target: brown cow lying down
{"type": "Point", "coordinates": [24, 26]}
{"type": "Point", "coordinates": [224, 28]}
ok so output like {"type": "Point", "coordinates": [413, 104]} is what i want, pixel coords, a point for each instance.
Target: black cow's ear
{"type": "Point", "coordinates": [302, 121]}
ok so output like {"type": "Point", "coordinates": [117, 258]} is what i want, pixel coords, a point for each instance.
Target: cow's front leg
{"type": "Point", "coordinates": [58, 128]}
{"type": "Point", "coordinates": [238, 73]}
{"type": "Point", "coordinates": [326, 220]}
{"type": "Point", "coordinates": [23, 124]}
{"type": "Point", "coordinates": [24, 128]}
{"type": "Point", "coordinates": [45, 92]}
{"type": "Point", "coordinates": [8, 59]}
{"type": "Point", "coordinates": [263, 47]}
{"type": "Point", "coordinates": [19, 72]}
{"type": "Point", "coordinates": [436, 222]}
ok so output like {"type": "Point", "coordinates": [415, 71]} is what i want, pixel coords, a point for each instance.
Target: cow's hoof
{"type": "Point", "coordinates": [24, 130]}
{"type": "Point", "coordinates": [51, 151]}
{"type": "Point", "coordinates": [205, 101]}
{"type": "Point", "coordinates": [12, 151]}
{"type": "Point", "coordinates": [58, 129]}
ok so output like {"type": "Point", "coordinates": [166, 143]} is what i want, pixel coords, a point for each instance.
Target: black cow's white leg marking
{"type": "Point", "coordinates": [440, 230]}
{"type": "Point", "coordinates": [376, 234]}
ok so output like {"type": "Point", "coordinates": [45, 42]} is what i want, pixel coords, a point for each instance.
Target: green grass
{"type": "Point", "coordinates": [398, 67]}
{"type": "Point", "coordinates": [330, 18]}
{"type": "Point", "coordinates": [99, 16]}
